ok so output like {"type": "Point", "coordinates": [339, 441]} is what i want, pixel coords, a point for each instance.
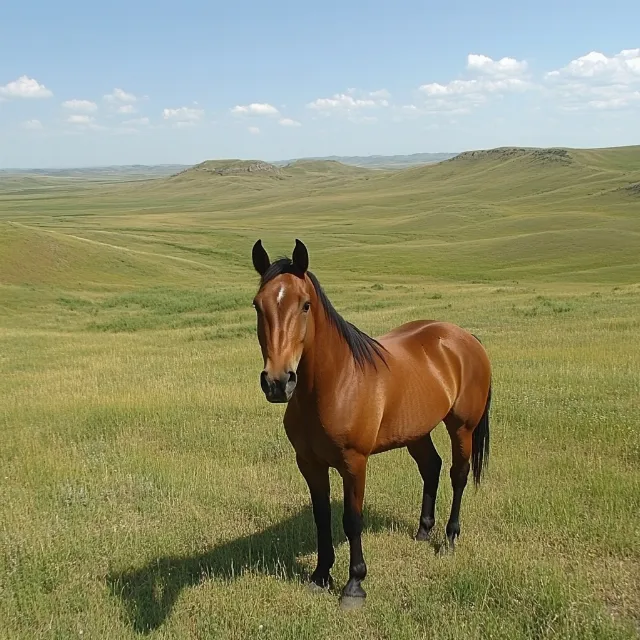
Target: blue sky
{"type": "Point", "coordinates": [118, 82]}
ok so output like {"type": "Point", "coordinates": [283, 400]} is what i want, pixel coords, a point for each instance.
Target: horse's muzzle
{"type": "Point", "coordinates": [278, 390]}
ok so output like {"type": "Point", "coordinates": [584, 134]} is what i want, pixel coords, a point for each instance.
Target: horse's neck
{"type": "Point", "coordinates": [323, 361]}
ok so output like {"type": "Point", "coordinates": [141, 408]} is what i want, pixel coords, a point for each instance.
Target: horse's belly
{"type": "Point", "coordinates": [411, 413]}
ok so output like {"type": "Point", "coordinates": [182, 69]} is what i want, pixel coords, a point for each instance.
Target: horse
{"type": "Point", "coordinates": [350, 396]}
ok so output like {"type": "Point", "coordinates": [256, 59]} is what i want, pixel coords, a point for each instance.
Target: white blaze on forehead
{"type": "Point", "coordinates": [280, 294]}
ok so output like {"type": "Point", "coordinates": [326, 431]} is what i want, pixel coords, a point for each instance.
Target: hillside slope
{"type": "Point", "coordinates": [495, 215]}
{"type": "Point", "coordinates": [35, 257]}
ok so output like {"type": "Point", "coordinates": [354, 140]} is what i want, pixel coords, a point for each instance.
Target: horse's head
{"type": "Point", "coordinates": [282, 305]}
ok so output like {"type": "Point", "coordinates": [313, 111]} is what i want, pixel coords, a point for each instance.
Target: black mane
{"type": "Point", "coordinates": [363, 348]}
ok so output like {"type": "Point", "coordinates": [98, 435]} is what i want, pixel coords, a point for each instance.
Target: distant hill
{"type": "Point", "coordinates": [107, 173]}
{"type": "Point", "coordinates": [325, 166]}
{"type": "Point", "coordinates": [113, 173]}
{"type": "Point", "coordinates": [378, 161]}
{"type": "Point", "coordinates": [232, 167]}
{"type": "Point", "coordinates": [496, 214]}
{"type": "Point", "coordinates": [255, 174]}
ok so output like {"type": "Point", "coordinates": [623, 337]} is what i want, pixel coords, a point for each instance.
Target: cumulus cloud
{"type": "Point", "coordinates": [120, 96]}
{"type": "Point", "coordinates": [80, 105]}
{"type": "Point", "coordinates": [24, 87]}
{"type": "Point", "coordinates": [80, 119]}
{"type": "Point", "coordinates": [352, 100]}
{"type": "Point", "coordinates": [32, 125]}
{"type": "Point", "coordinates": [182, 113]}
{"type": "Point", "coordinates": [288, 122]}
{"type": "Point", "coordinates": [478, 86]}
{"type": "Point", "coordinates": [622, 68]}
{"type": "Point", "coordinates": [126, 108]}
{"type": "Point", "coordinates": [183, 116]}
{"type": "Point", "coordinates": [597, 81]}
{"type": "Point", "coordinates": [503, 67]}
{"type": "Point", "coordinates": [488, 78]}
{"type": "Point", "coordinates": [255, 109]}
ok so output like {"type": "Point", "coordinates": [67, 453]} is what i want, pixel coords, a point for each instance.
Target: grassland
{"type": "Point", "coordinates": [148, 490]}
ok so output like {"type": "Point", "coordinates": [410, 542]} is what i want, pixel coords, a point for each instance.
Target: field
{"type": "Point", "coordinates": [147, 489]}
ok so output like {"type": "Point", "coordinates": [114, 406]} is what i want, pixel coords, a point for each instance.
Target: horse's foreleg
{"type": "Point", "coordinates": [353, 474]}
{"type": "Point", "coordinates": [317, 477]}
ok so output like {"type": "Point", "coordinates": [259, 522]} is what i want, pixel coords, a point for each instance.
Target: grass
{"type": "Point", "coordinates": [148, 490]}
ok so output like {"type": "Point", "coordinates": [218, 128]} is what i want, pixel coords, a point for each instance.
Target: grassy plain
{"type": "Point", "coordinates": [148, 490]}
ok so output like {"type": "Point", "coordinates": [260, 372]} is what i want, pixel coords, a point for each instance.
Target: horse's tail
{"type": "Point", "coordinates": [480, 442]}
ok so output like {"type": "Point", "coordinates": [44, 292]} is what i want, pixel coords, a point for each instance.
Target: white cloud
{"type": "Point", "coordinates": [503, 67]}
{"type": "Point", "coordinates": [352, 100]}
{"type": "Point", "coordinates": [119, 95]}
{"type": "Point", "coordinates": [254, 130]}
{"type": "Point", "coordinates": [622, 68]}
{"type": "Point", "coordinates": [137, 122]}
{"type": "Point", "coordinates": [492, 78]}
{"type": "Point", "coordinates": [24, 87]}
{"type": "Point", "coordinates": [288, 122]}
{"type": "Point", "coordinates": [381, 93]}
{"type": "Point", "coordinates": [183, 116]}
{"type": "Point", "coordinates": [597, 81]}
{"type": "Point", "coordinates": [32, 125]}
{"type": "Point", "coordinates": [80, 105]}
{"type": "Point", "coordinates": [255, 109]}
{"type": "Point", "coordinates": [126, 108]}
{"type": "Point", "coordinates": [340, 101]}
{"type": "Point", "coordinates": [77, 119]}
{"type": "Point", "coordinates": [478, 86]}
{"type": "Point", "coordinates": [182, 113]}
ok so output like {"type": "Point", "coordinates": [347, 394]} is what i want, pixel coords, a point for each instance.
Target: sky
{"type": "Point", "coordinates": [141, 82]}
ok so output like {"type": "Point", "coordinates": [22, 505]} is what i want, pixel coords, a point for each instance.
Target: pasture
{"type": "Point", "coordinates": [147, 489]}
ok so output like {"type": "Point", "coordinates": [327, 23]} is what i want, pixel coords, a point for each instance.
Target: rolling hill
{"type": "Point", "coordinates": [499, 214]}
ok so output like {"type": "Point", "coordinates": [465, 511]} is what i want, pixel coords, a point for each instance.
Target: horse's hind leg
{"type": "Point", "coordinates": [429, 463]}
{"type": "Point", "coordinates": [461, 442]}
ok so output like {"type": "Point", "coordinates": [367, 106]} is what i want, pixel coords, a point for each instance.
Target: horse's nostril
{"type": "Point", "coordinates": [292, 377]}
{"type": "Point", "coordinates": [264, 382]}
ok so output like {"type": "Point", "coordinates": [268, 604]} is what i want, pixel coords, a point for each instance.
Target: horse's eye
{"type": "Point", "coordinates": [306, 306]}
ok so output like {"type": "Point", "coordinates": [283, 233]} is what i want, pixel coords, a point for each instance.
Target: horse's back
{"type": "Point", "coordinates": [450, 351]}
{"type": "Point", "coordinates": [425, 333]}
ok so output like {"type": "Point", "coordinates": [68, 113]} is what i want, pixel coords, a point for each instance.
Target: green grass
{"type": "Point", "coordinates": [148, 490]}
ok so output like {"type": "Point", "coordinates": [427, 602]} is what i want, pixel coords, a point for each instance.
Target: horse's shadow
{"type": "Point", "coordinates": [149, 593]}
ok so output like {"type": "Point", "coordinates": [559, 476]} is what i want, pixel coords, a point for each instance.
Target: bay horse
{"type": "Point", "coordinates": [350, 396]}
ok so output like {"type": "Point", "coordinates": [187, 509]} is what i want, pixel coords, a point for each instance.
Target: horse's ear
{"type": "Point", "coordinates": [260, 258]}
{"type": "Point", "coordinates": [301, 256]}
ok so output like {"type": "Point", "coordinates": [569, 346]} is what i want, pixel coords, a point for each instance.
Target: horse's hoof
{"type": "Point", "coordinates": [349, 603]}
